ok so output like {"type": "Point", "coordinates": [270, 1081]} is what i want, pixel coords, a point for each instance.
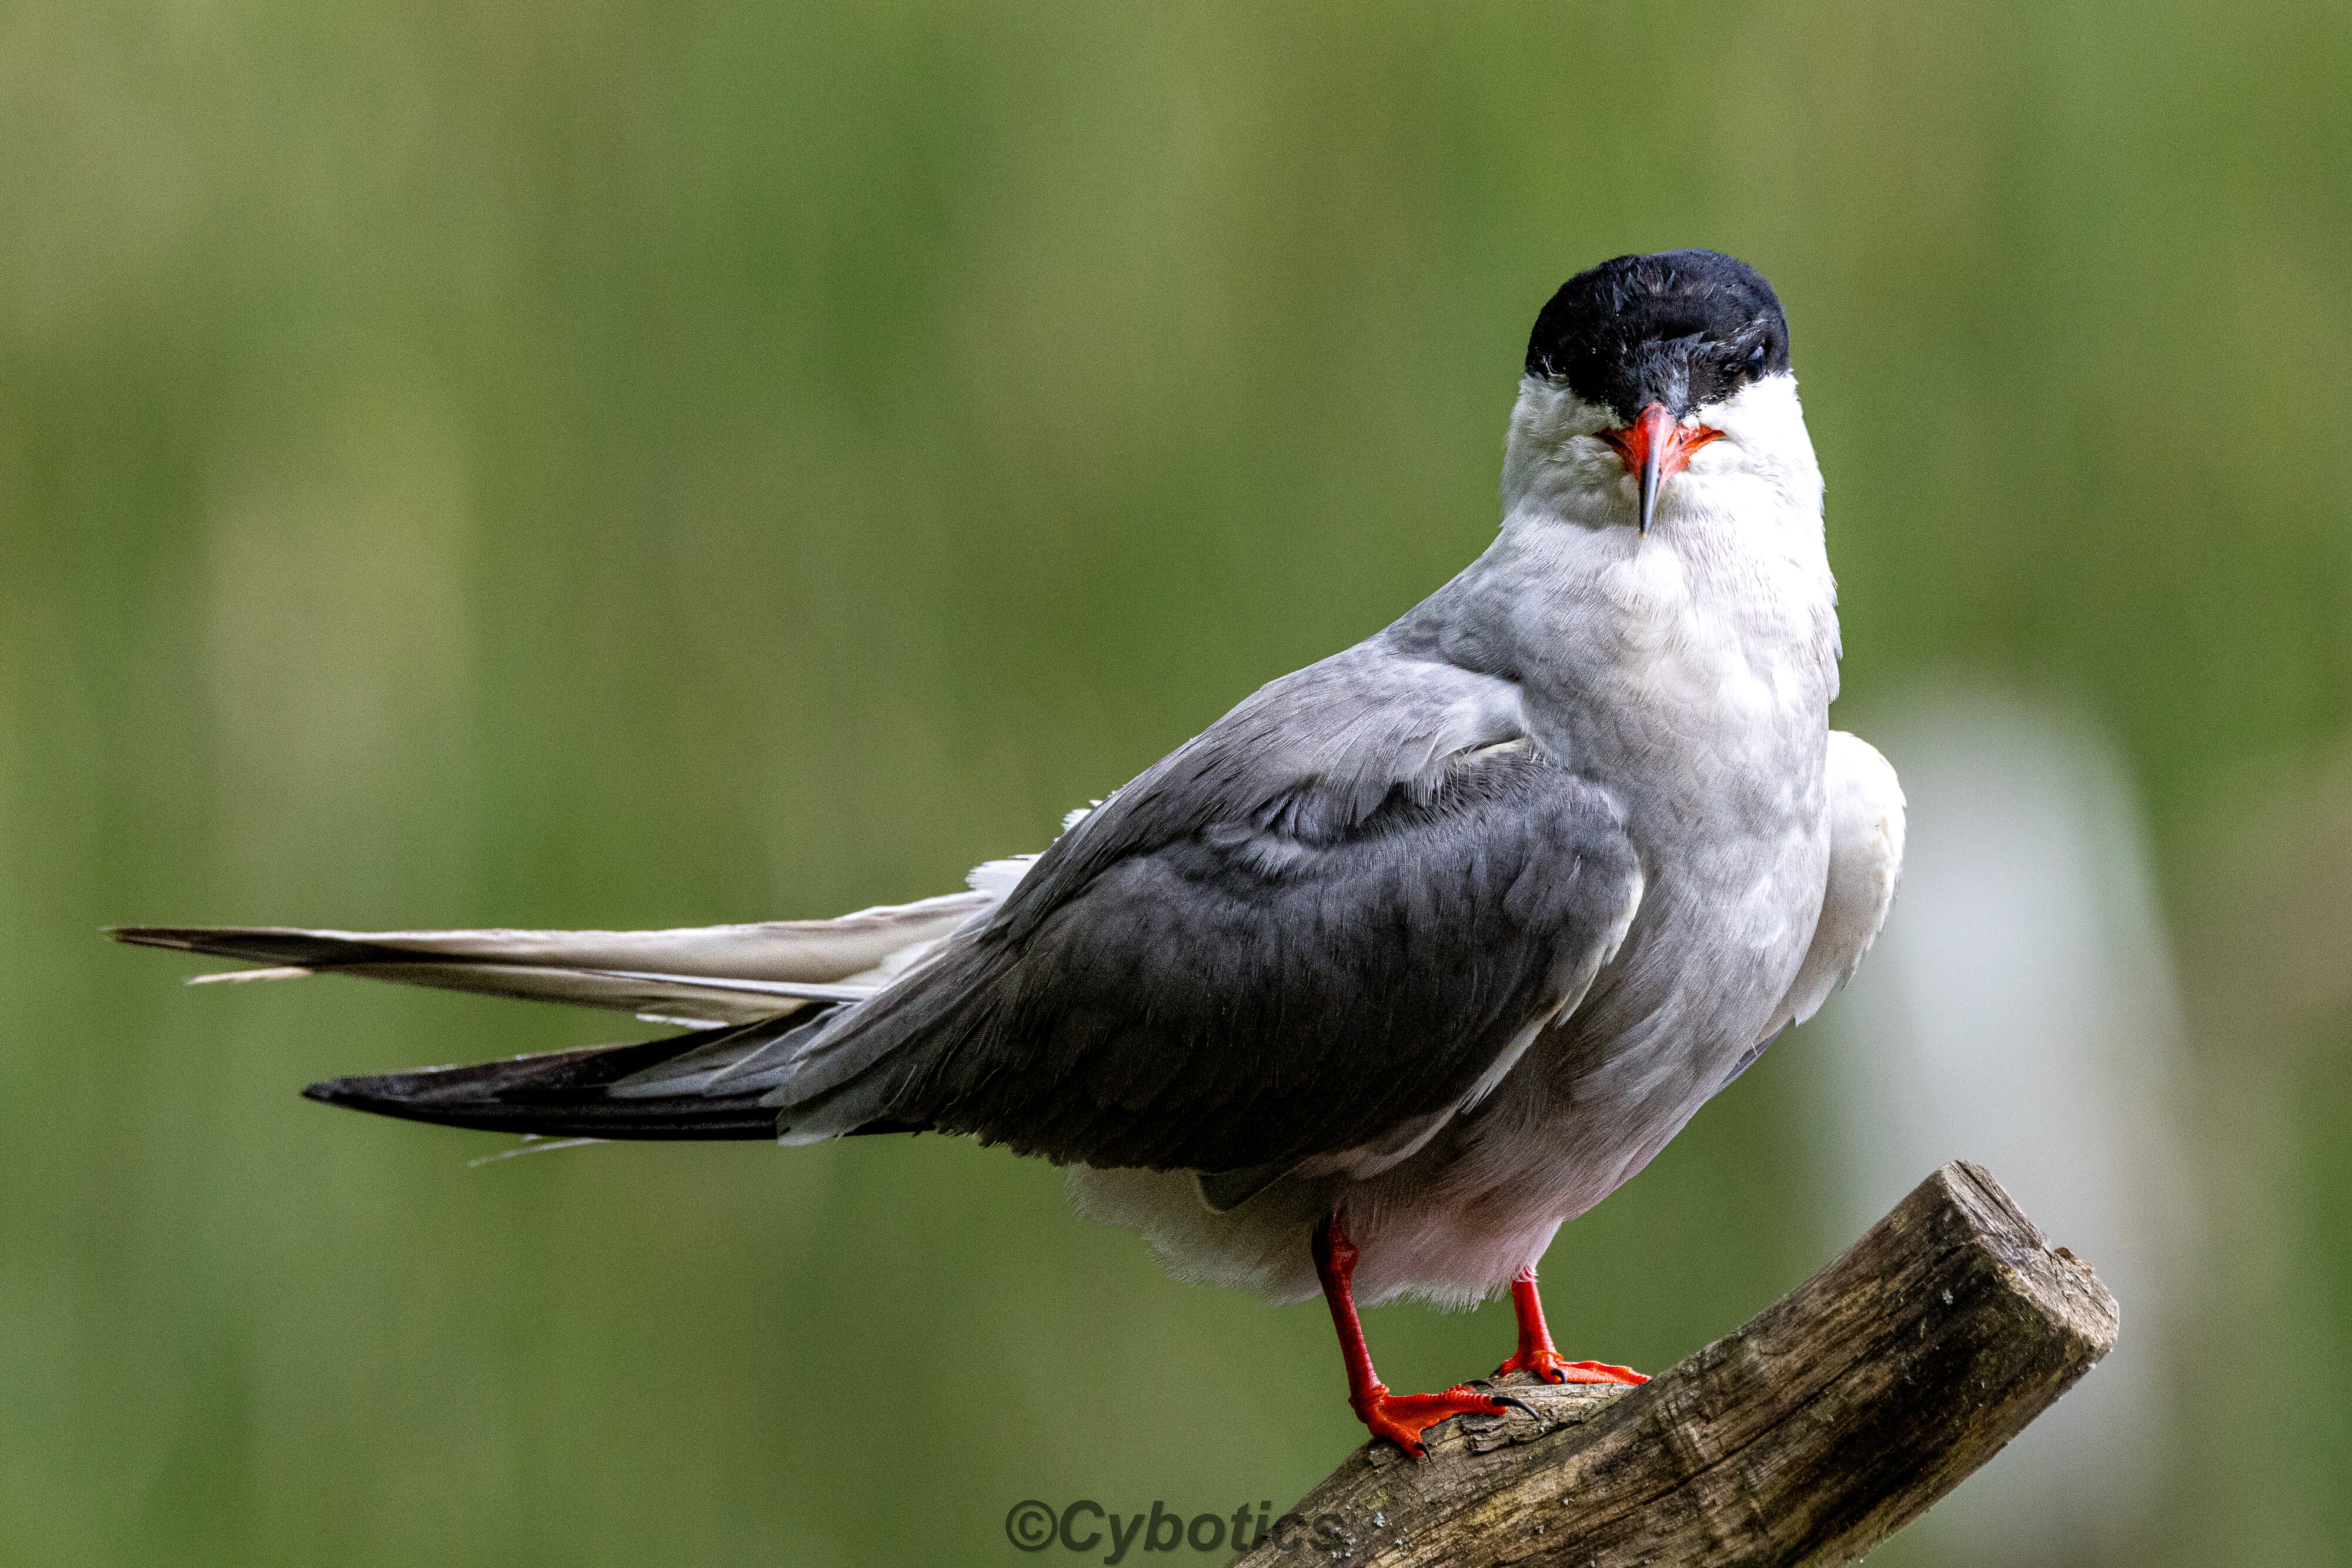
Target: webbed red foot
{"type": "Point", "coordinates": [1554, 1367]}
{"type": "Point", "coordinates": [1538, 1355]}
{"type": "Point", "coordinates": [1402, 1418]}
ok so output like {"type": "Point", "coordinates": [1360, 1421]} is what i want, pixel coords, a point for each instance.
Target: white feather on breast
{"type": "Point", "coordinates": [1866, 806]}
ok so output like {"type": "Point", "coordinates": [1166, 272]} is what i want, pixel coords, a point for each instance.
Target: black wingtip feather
{"type": "Point", "coordinates": [149, 936]}
{"type": "Point", "coordinates": [559, 1094]}
{"type": "Point", "coordinates": [260, 945]}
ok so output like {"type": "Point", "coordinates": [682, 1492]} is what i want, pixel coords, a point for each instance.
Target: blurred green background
{"type": "Point", "coordinates": [479, 462]}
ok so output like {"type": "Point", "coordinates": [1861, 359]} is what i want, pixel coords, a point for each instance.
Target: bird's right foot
{"type": "Point", "coordinates": [1402, 1418]}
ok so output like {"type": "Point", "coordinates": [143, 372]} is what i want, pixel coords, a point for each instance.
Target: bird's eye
{"type": "Point", "coordinates": [1756, 360]}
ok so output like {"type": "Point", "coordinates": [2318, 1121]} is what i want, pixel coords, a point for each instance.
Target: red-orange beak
{"type": "Point", "coordinates": [1657, 447]}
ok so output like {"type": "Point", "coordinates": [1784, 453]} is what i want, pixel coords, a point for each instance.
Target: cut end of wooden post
{"type": "Point", "coordinates": [1808, 1435]}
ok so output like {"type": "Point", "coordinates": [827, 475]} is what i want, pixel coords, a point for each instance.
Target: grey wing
{"type": "Point", "coordinates": [1340, 912]}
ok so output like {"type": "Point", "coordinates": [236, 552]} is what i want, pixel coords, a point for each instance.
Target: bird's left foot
{"type": "Point", "coordinates": [1553, 1367]}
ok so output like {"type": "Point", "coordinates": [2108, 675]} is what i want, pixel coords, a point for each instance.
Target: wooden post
{"type": "Point", "coordinates": [1809, 1436]}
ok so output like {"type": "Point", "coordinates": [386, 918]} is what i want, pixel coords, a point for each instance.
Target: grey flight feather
{"type": "Point", "coordinates": [1339, 911]}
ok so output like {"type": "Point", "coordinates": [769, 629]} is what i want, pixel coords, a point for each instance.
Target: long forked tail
{"type": "Point", "coordinates": [740, 990]}
{"type": "Point", "coordinates": [702, 976]}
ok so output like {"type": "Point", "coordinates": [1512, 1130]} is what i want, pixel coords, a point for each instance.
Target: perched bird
{"type": "Point", "coordinates": [1413, 955]}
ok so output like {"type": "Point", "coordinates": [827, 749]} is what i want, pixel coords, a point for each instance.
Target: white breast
{"type": "Point", "coordinates": [1866, 820]}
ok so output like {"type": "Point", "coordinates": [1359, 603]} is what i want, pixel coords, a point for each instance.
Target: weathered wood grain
{"type": "Point", "coordinates": [1809, 1436]}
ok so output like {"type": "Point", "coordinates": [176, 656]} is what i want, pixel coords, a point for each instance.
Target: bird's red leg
{"type": "Point", "coordinates": [1402, 1418]}
{"type": "Point", "coordinates": [1538, 1355]}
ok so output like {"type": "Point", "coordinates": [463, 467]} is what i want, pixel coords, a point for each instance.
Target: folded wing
{"type": "Point", "coordinates": [1331, 920]}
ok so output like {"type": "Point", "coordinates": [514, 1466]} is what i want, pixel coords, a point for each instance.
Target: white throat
{"type": "Point", "coordinates": [1722, 620]}
{"type": "Point", "coordinates": [1556, 467]}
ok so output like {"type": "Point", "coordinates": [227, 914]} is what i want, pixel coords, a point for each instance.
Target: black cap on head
{"type": "Point", "coordinates": [1682, 327]}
